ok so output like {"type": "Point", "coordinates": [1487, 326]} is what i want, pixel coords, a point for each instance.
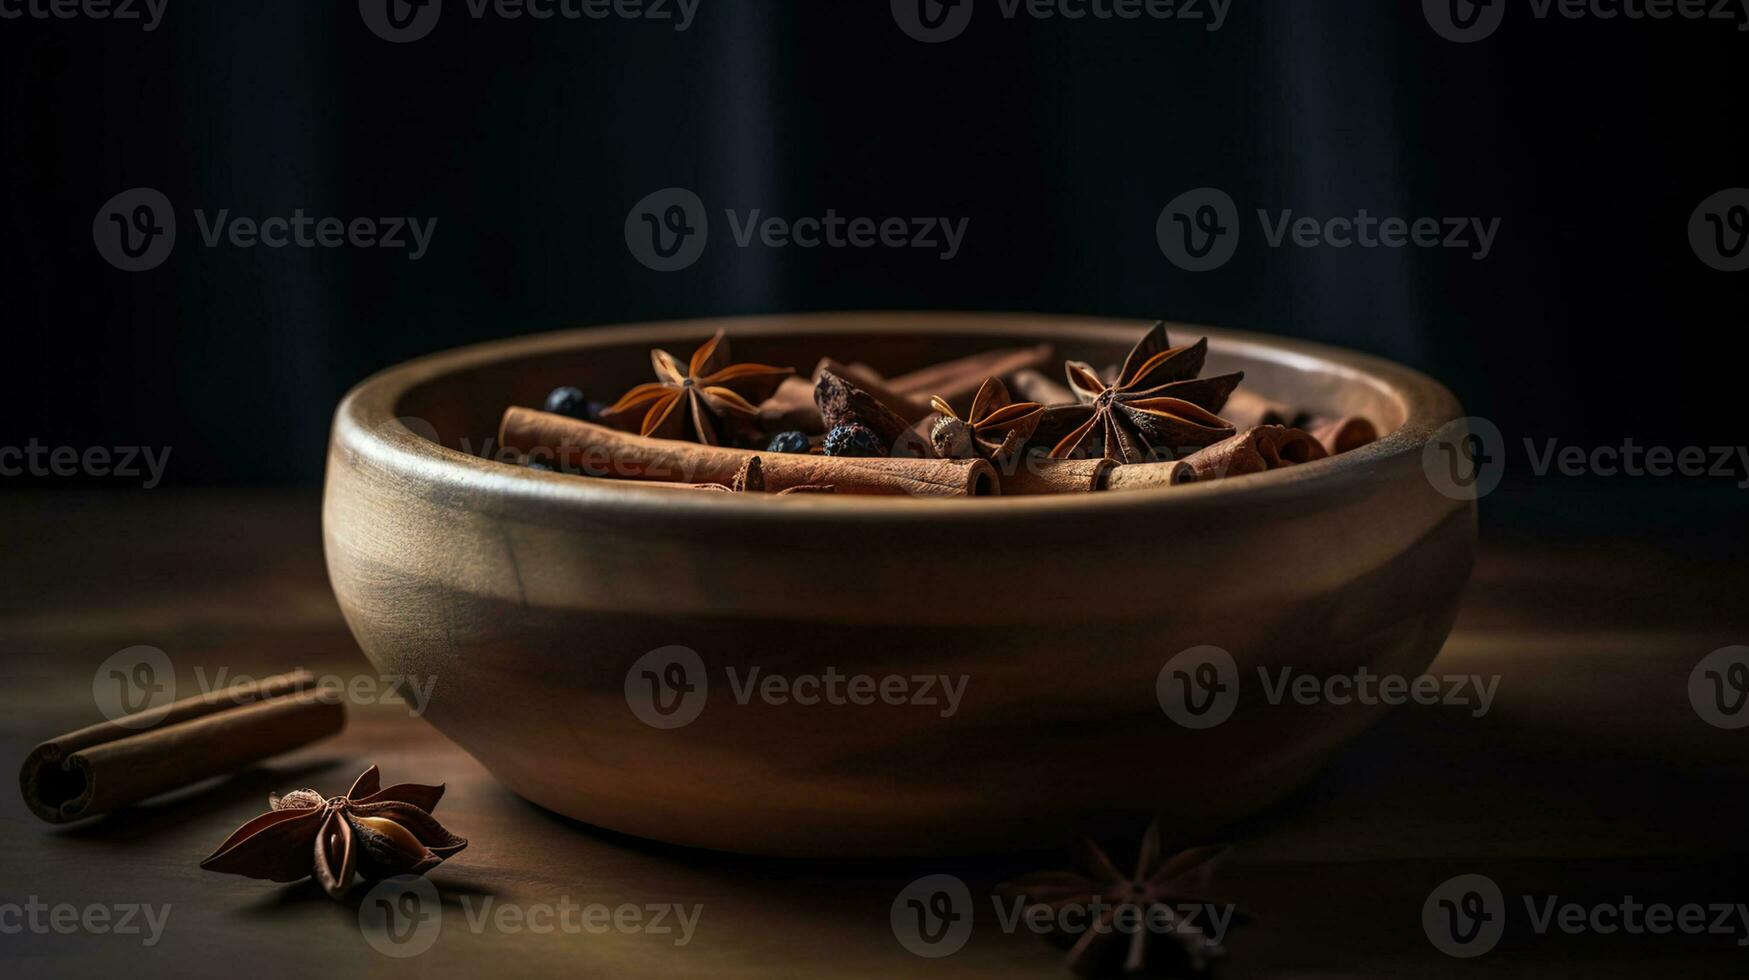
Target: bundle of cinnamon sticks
{"type": "Point", "coordinates": [995, 422]}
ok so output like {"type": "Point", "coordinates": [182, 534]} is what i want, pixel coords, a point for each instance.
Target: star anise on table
{"type": "Point", "coordinates": [1151, 922]}
{"type": "Point", "coordinates": [996, 428]}
{"type": "Point", "coordinates": [709, 400]}
{"type": "Point", "coordinates": [1154, 407]}
{"type": "Point", "coordinates": [371, 831]}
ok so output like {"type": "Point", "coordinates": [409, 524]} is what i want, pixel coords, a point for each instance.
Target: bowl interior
{"type": "Point", "coordinates": [461, 396]}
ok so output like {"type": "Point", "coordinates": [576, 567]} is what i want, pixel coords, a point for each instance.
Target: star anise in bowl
{"type": "Point", "coordinates": [1153, 922]}
{"type": "Point", "coordinates": [996, 428]}
{"type": "Point", "coordinates": [1152, 409]}
{"type": "Point", "coordinates": [373, 832]}
{"type": "Point", "coordinates": [708, 400]}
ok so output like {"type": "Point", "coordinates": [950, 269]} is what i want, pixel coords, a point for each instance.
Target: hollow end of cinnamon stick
{"type": "Point", "coordinates": [1344, 434]}
{"type": "Point", "coordinates": [104, 767]}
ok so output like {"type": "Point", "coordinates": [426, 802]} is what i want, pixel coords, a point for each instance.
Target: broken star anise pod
{"type": "Point", "coordinates": [1152, 935]}
{"type": "Point", "coordinates": [996, 428]}
{"type": "Point", "coordinates": [709, 400]}
{"type": "Point", "coordinates": [371, 831]}
{"type": "Point", "coordinates": [1154, 408]}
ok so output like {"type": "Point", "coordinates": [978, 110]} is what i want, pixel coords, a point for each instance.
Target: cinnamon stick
{"type": "Point", "coordinates": [792, 408]}
{"type": "Point", "coordinates": [1035, 386]}
{"type": "Point", "coordinates": [1246, 408]}
{"type": "Point", "coordinates": [1344, 434]}
{"type": "Point", "coordinates": [749, 479]}
{"type": "Point", "coordinates": [104, 767]}
{"type": "Point", "coordinates": [1150, 476]}
{"type": "Point", "coordinates": [1263, 447]}
{"type": "Point", "coordinates": [1032, 475]}
{"type": "Point", "coordinates": [598, 451]}
{"type": "Point", "coordinates": [956, 381]}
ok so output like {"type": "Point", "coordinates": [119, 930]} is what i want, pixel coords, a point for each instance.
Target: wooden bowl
{"type": "Point", "coordinates": [530, 598]}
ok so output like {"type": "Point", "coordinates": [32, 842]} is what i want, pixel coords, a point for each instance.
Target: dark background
{"type": "Point", "coordinates": [1592, 141]}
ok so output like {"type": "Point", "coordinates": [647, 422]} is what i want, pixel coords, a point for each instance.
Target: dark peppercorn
{"type": "Point", "coordinates": [853, 440]}
{"type": "Point", "coordinates": [570, 403]}
{"type": "Point", "coordinates": [789, 442]}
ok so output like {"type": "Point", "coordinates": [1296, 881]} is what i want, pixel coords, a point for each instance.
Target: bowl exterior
{"type": "Point", "coordinates": [998, 666]}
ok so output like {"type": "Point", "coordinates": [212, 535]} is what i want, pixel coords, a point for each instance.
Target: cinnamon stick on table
{"type": "Point", "coordinates": [105, 767]}
{"type": "Point", "coordinates": [594, 450]}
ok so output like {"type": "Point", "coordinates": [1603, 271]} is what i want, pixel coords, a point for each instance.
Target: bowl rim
{"type": "Point", "coordinates": [366, 422]}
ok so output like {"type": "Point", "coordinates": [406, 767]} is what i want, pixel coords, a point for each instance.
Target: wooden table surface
{"type": "Point", "coordinates": [1591, 778]}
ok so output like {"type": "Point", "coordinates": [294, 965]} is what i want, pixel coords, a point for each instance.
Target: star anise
{"type": "Point", "coordinates": [709, 400]}
{"type": "Point", "coordinates": [1150, 922]}
{"type": "Point", "coordinates": [996, 428]}
{"type": "Point", "coordinates": [375, 832]}
{"type": "Point", "coordinates": [1154, 408]}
